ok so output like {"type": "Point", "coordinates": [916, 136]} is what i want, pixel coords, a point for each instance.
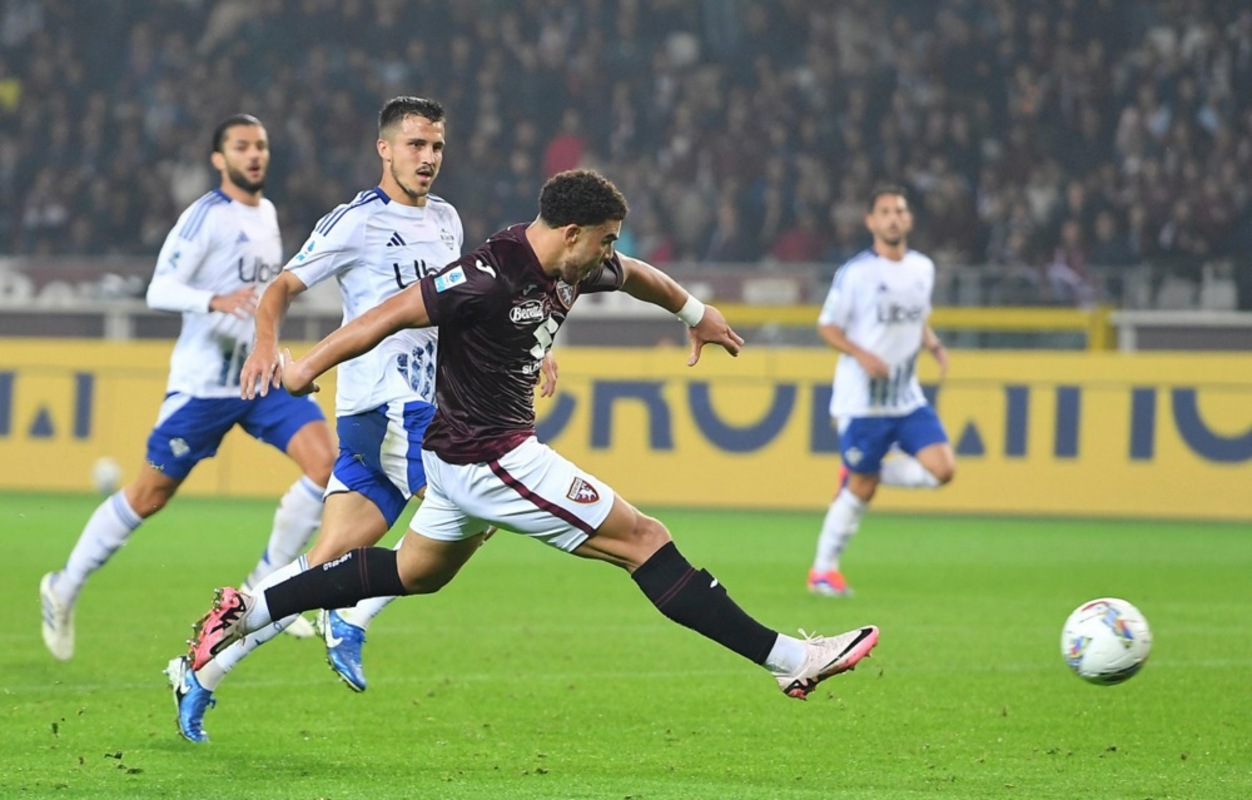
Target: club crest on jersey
{"type": "Point", "coordinates": [566, 294]}
{"type": "Point", "coordinates": [582, 492]}
{"type": "Point", "coordinates": [447, 237]}
{"type": "Point", "coordinates": [530, 311]}
{"type": "Point", "coordinates": [453, 277]}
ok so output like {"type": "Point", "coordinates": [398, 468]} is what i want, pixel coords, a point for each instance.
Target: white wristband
{"type": "Point", "coordinates": [692, 312]}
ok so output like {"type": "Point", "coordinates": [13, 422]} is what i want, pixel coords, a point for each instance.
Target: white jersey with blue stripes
{"type": "Point", "coordinates": [218, 246]}
{"type": "Point", "coordinates": [882, 306]}
{"type": "Point", "coordinates": [375, 248]}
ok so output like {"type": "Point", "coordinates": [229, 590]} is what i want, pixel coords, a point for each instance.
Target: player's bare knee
{"type": "Point", "coordinates": [319, 468]}
{"type": "Point", "coordinates": [650, 534]}
{"type": "Point", "coordinates": [314, 449]}
{"type": "Point", "coordinates": [319, 475]}
{"type": "Point", "coordinates": [944, 470]}
{"type": "Point", "coordinates": [424, 583]}
{"type": "Point", "coordinates": [146, 500]}
{"type": "Point", "coordinates": [863, 486]}
{"type": "Point", "coordinates": [423, 586]}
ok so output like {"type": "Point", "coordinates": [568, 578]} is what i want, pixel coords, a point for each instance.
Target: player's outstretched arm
{"type": "Point", "coordinates": [404, 310]}
{"type": "Point", "coordinates": [262, 369]}
{"type": "Point", "coordinates": [705, 324]}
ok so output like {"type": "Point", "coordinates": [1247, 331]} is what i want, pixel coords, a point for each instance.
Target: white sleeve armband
{"type": "Point", "coordinates": [692, 312]}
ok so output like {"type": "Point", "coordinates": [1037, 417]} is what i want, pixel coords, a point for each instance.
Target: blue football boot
{"type": "Point", "coordinates": [343, 648]}
{"type": "Point", "coordinates": [190, 698]}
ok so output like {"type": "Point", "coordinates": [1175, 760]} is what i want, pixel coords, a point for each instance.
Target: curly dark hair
{"type": "Point", "coordinates": [396, 109]}
{"type": "Point", "coordinates": [580, 197]}
{"type": "Point", "coordinates": [219, 133]}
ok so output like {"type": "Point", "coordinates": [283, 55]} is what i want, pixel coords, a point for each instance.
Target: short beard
{"type": "Point", "coordinates": [239, 180]}
{"type": "Point", "coordinates": [395, 176]}
{"type": "Point", "coordinates": [569, 270]}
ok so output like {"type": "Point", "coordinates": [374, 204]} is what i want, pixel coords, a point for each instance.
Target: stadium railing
{"type": "Point", "coordinates": [772, 304]}
{"type": "Point", "coordinates": [1093, 325]}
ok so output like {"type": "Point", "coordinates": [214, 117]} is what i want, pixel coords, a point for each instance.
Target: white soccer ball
{"type": "Point", "coordinates": [106, 475]}
{"type": "Point", "coordinates": [1106, 641]}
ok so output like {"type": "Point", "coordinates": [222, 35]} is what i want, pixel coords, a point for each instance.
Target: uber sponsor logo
{"type": "Point", "coordinates": [894, 313]}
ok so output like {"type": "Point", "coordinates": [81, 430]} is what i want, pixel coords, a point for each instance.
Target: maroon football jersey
{"type": "Point", "coordinates": [497, 313]}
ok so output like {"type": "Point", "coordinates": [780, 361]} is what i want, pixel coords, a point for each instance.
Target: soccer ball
{"type": "Point", "coordinates": [106, 474]}
{"type": "Point", "coordinates": [1106, 641]}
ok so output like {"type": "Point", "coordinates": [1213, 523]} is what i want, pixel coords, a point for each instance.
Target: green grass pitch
{"type": "Point", "coordinates": [539, 675]}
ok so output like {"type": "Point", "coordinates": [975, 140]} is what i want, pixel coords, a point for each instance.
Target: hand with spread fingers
{"type": "Point", "coordinates": [712, 329]}
{"type": "Point", "coordinates": [261, 372]}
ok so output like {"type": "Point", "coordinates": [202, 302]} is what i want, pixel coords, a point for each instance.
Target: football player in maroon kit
{"type": "Point", "coordinates": [497, 310]}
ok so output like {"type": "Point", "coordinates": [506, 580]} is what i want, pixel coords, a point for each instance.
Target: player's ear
{"type": "Point", "coordinates": [571, 233]}
{"type": "Point", "coordinates": [384, 149]}
{"type": "Point", "coordinates": [217, 160]}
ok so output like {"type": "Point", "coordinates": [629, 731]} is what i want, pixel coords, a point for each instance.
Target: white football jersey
{"type": "Point", "coordinates": [374, 248]}
{"type": "Point", "coordinates": [882, 306]}
{"type": "Point", "coordinates": [217, 247]}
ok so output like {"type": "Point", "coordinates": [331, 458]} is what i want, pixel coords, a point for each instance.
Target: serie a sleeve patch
{"type": "Point", "coordinates": [453, 277]}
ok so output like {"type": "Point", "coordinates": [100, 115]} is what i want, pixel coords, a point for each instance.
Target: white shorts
{"type": "Point", "coordinates": [531, 490]}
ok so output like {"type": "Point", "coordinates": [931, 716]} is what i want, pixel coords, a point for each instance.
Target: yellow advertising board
{"type": "Point", "coordinates": [1108, 434]}
{"type": "Point", "coordinates": [66, 403]}
{"type": "Point", "coordinates": [1090, 433]}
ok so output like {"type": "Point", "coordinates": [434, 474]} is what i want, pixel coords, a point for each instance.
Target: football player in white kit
{"type": "Point", "coordinates": [214, 263]}
{"type": "Point", "coordinates": [497, 310]}
{"type": "Point", "coordinates": [385, 240]}
{"type": "Point", "coordinates": [876, 316]}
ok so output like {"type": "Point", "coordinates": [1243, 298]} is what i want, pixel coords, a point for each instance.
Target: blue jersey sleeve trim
{"type": "Point", "coordinates": [200, 210]}
{"type": "Point", "coordinates": [842, 272]}
{"type": "Point", "coordinates": [330, 220]}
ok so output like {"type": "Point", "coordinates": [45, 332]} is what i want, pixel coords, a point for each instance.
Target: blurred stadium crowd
{"type": "Point", "coordinates": [1040, 139]}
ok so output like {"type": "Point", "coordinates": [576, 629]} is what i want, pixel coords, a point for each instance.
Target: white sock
{"type": "Point", "coordinates": [259, 615]}
{"type": "Point", "coordinates": [786, 656]}
{"type": "Point", "coordinates": [212, 673]}
{"type": "Point", "coordinates": [901, 469]}
{"type": "Point", "coordinates": [363, 613]}
{"type": "Point", "coordinates": [842, 519]}
{"type": "Point", "coordinates": [108, 529]}
{"type": "Point", "coordinates": [298, 517]}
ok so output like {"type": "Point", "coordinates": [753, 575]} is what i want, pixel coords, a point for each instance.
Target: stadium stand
{"type": "Point", "coordinates": [1073, 151]}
